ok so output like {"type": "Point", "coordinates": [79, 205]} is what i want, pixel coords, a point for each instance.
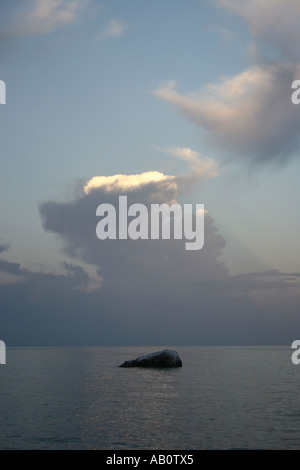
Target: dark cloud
{"type": "Point", "coordinates": [146, 298]}
{"type": "Point", "coordinates": [4, 247]}
{"type": "Point", "coordinates": [156, 292]}
{"type": "Point", "coordinates": [133, 267]}
{"type": "Point", "coordinates": [273, 23]}
{"type": "Point", "coordinates": [152, 291]}
{"type": "Point", "coordinates": [48, 309]}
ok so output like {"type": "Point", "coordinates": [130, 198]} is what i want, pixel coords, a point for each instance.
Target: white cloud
{"type": "Point", "coordinates": [115, 29]}
{"type": "Point", "coordinates": [202, 166]}
{"type": "Point", "coordinates": [123, 183]}
{"type": "Point", "coordinates": [250, 115]}
{"type": "Point", "coordinates": [45, 16]}
{"type": "Point", "coordinates": [162, 185]}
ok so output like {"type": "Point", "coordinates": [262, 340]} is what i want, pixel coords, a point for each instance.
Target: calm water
{"type": "Point", "coordinates": [222, 398]}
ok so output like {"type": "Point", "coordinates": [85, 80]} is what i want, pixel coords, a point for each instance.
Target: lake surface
{"type": "Point", "coordinates": [78, 398]}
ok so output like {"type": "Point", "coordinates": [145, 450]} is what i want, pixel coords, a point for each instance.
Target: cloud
{"type": "Point", "coordinates": [165, 293]}
{"type": "Point", "coordinates": [149, 272]}
{"type": "Point", "coordinates": [249, 115]}
{"type": "Point", "coordinates": [40, 308]}
{"type": "Point", "coordinates": [4, 247]}
{"type": "Point", "coordinates": [127, 182]}
{"type": "Point", "coordinates": [153, 291]}
{"type": "Point", "coordinates": [75, 276]}
{"type": "Point", "coordinates": [40, 17]}
{"type": "Point", "coordinates": [271, 22]}
{"type": "Point", "coordinates": [115, 29]}
{"type": "Point", "coordinates": [200, 166]}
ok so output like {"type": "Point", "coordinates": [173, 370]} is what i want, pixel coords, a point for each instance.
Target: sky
{"type": "Point", "coordinates": [162, 101]}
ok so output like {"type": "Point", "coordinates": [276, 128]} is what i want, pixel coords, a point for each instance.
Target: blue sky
{"type": "Point", "coordinates": [105, 88]}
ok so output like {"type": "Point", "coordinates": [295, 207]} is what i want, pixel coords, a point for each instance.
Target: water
{"type": "Point", "coordinates": [222, 398]}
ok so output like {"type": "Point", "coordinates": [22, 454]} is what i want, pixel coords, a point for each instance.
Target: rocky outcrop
{"type": "Point", "coordinates": [165, 358]}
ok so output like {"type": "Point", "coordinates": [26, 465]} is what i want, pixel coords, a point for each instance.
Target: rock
{"type": "Point", "coordinates": [165, 358]}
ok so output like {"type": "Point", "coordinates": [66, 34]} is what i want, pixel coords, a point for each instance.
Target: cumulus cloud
{"type": "Point", "coordinates": [153, 291]}
{"type": "Point", "coordinates": [152, 270]}
{"type": "Point", "coordinates": [39, 17]}
{"type": "Point", "coordinates": [127, 182]}
{"type": "Point", "coordinates": [115, 29]}
{"type": "Point", "coordinates": [164, 292]}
